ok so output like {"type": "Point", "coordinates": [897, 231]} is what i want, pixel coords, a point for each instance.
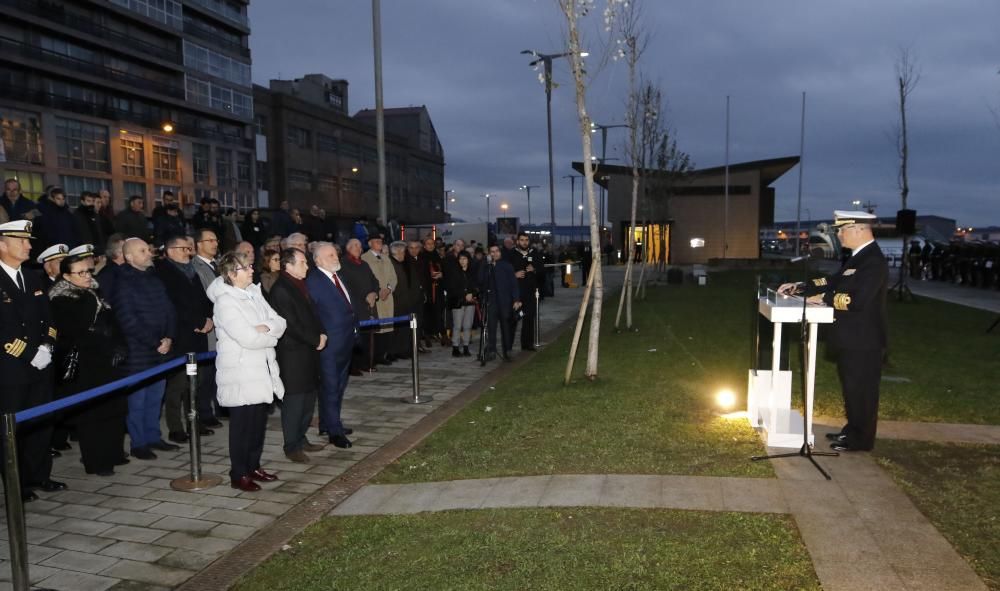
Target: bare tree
{"type": "Point", "coordinates": [907, 77]}
{"type": "Point", "coordinates": [634, 39]}
{"type": "Point", "coordinates": [575, 11]}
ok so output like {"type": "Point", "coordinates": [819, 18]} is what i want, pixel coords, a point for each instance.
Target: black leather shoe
{"type": "Point", "coordinates": [143, 453]}
{"type": "Point", "coordinates": [48, 485]}
{"type": "Point", "coordinates": [203, 430]}
{"type": "Point", "coordinates": [27, 496]}
{"type": "Point", "coordinates": [841, 446]}
{"type": "Point", "coordinates": [340, 441]}
{"type": "Point", "coordinates": [53, 453]}
{"type": "Point", "coordinates": [348, 431]}
{"type": "Point", "coordinates": [212, 423]}
{"type": "Point", "coordinates": [122, 461]}
{"type": "Point", "coordinates": [164, 446]}
{"type": "Point", "coordinates": [178, 437]}
{"type": "Point", "coordinates": [838, 437]}
{"type": "Point", "coordinates": [62, 446]}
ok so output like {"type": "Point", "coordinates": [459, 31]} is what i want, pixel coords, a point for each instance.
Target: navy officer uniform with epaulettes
{"type": "Point", "coordinates": [521, 260]}
{"type": "Point", "coordinates": [26, 337]}
{"type": "Point", "coordinates": [859, 333]}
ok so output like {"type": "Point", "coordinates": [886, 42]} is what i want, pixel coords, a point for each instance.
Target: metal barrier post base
{"type": "Point", "coordinates": [186, 484]}
{"type": "Point", "coordinates": [424, 398]}
{"type": "Point", "coordinates": [417, 398]}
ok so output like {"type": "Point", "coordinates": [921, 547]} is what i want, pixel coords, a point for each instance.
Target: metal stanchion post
{"type": "Point", "coordinates": [538, 318]}
{"type": "Point", "coordinates": [17, 530]}
{"type": "Point", "coordinates": [415, 365]}
{"type": "Point", "coordinates": [196, 481]}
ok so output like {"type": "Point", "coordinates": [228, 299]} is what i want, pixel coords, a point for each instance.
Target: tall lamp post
{"type": "Point", "coordinates": [604, 154]}
{"type": "Point", "coordinates": [572, 193]}
{"type": "Point", "coordinates": [546, 60]}
{"type": "Point", "coordinates": [580, 207]}
{"type": "Point", "coordinates": [489, 212]}
{"type": "Point", "coordinates": [528, 188]}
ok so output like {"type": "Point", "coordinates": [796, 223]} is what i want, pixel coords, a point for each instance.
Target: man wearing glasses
{"type": "Point", "coordinates": [858, 336]}
{"type": "Point", "coordinates": [206, 250]}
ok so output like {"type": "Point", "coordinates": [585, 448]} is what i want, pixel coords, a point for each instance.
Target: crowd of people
{"type": "Point", "coordinates": [113, 295]}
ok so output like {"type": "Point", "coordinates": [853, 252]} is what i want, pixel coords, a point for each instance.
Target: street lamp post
{"type": "Point", "coordinates": [580, 207]}
{"type": "Point", "coordinates": [604, 154]}
{"type": "Point", "coordinates": [528, 188]}
{"type": "Point", "coordinates": [572, 193]}
{"type": "Point", "coordinates": [546, 60]}
{"type": "Point", "coordinates": [489, 212]}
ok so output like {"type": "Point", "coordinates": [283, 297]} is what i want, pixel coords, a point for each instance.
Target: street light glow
{"type": "Point", "coordinates": [725, 398]}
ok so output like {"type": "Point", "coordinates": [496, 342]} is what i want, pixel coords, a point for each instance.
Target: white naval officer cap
{"type": "Point", "coordinates": [82, 251]}
{"type": "Point", "coordinates": [16, 229]}
{"type": "Point", "coordinates": [53, 253]}
{"type": "Point", "coordinates": [846, 218]}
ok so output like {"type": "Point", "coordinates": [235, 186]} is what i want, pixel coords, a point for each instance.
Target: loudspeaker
{"type": "Point", "coordinates": [906, 222]}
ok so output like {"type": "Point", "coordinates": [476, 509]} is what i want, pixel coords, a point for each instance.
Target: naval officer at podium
{"type": "Point", "coordinates": [857, 339]}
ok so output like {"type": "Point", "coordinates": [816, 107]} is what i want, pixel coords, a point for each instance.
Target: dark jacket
{"type": "Point", "coordinates": [107, 280]}
{"type": "Point", "coordinates": [458, 284]}
{"type": "Point", "coordinates": [166, 226]}
{"type": "Point", "coordinates": [56, 225]}
{"type": "Point", "coordinates": [282, 223]}
{"type": "Point", "coordinates": [17, 211]}
{"type": "Point", "coordinates": [407, 298]}
{"type": "Point", "coordinates": [359, 281]}
{"type": "Point", "coordinates": [25, 324]}
{"type": "Point", "coordinates": [255, 234]}
{"type": "Point", "coordinates": [132, 224]}
{"type": "Point", "coordinates": [497, 282]}
{"type": "Point", "coordinates": [90, 228]}
{"type": "Point", "coordinates": [191, 304]}
{"type": "Point", "coordinates": [145, 314]}
{"type": "Point", "coordinates": [297, 354]}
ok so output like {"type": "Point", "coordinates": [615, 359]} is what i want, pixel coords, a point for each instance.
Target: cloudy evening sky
{"type": "Point", "coordinates": [461, 59]}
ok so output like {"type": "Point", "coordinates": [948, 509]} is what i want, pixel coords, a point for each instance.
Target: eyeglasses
{"type": "Point", "coordinates": [245, 268]}
{"type": "Point", "coordinates": [188, 248]}
{"type": "Point", "coordinates": [83, 273]}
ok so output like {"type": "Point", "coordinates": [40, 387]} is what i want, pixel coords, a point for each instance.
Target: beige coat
{"type": "Point", "coordinates": [386, 275]}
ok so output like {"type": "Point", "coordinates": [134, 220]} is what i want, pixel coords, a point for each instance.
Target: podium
{"type": "Point", "coordinates": [769, 392]}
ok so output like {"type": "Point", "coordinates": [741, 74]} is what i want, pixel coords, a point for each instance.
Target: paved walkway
{"type": "Point", "coordinates": [974, 297]}
{"type": "Point", "coordinates": [132, 531]}
{"type": "Point", "coordinates": [861, 530]}
{"type": "Point", "coordinates": [931, 432]}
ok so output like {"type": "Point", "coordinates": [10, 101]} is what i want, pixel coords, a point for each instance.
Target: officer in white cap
{"type": "Point", "coordinates": [49, 260]}
{"type": "Point", "coordinates": [83, 251]}
{"type": "Point", "coordinates": [26, 339]}
{"type": "Point", "coordinates": [858, 336]}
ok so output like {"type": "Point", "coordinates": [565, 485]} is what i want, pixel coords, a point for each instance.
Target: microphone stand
{"type": "Point", "coordinates": [806, 450]}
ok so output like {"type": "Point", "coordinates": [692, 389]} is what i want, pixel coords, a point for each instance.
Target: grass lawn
{"type": "Point", "coordinates": [651, 412]}
{"type": "Point", "coordinates": [543, 549]}
{"type": "Point", "coordinates": [958, 488]}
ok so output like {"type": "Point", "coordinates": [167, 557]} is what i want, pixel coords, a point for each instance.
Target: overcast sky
{"type": "Point", "coordinates": [461, 59]}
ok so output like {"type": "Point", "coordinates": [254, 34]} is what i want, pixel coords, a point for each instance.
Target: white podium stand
{"type": "Point", "coordinates": [769, 392]}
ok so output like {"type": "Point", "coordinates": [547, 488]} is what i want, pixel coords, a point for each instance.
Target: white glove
{"type": "Point", "coordinates": [42, 359]}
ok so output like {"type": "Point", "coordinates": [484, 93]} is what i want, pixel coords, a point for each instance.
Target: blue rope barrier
{"type": "Point", "coordinates": [81, 397]}
{"type": "Point", "coordinates": [382, 321]}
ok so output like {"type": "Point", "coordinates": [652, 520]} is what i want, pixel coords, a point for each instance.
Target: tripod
{"type": "Point", "coordinates": [806, 450]}
{"type": "Point", "coordinates": [900, 288]}
{"type": "Point", "coordinates": [484, 330]}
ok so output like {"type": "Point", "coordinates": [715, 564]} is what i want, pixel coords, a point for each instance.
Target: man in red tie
{"type": "Point", "coordinates": [333, 306]}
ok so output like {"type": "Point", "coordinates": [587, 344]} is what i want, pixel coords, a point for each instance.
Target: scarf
{"type": "Point", "coordinates": [300, 284]}
{"type": "Point", "coordinates": [186, 268]}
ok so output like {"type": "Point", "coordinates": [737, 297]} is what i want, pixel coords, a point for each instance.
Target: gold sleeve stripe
{"type": "Point", "coordinates": [841, 301]}
{"type": "Point", "coordinates": [52, 332]}
{"type": "Point", "coordinates": [15, 348]}
{"type": "Point", "coordinates": [821, 282]}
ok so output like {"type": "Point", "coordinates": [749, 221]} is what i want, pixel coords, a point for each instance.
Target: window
{"type": "Point", "coordinates": [165, 160]}
{"type": "Point", "coordinates": [326, 143]}
{"type": "Point", "coordinates": [134, 188]}
{"type": "Point", "coordinates": [198, 91]}
{"type": "Point", "coordinates": [218, 97]}
{"type": "Point", "coordinates": [299, 180]}
{"type": "Point", "coordinates": [62, 47]}
{"type": "Point", "coordinates": [351, 185]}
{"type": "Point", "coordinates": [21, 137]}
{"type": "Point", "coordinates": [227, 9]}
{"type": "Point", "coordinates": [210, 62]}
{"type": "Point", "coordinates": [32, 183]}
{"type": "Point", "coordinates": [200, 155]}
{"type": "Point", "coordinates": [370, 155]}
{"type": "Point", "coordinates": [263, 177]}
{"type": "Point", "coordinates": [164, 11]}
{"type": "Point", "coordinates": [223, 167]}
{"type": "Point", "coordinates": [260, 123]}
{"type": "Point", "coordinates": [298, 136]}
{"type": "Point", "coordinates": [243, 163]}
{"type": "Point", "coordinates": [350, 149]}
{"type": "Point", "coordinates": [82, 146]}
{"type": "Point", "coordinates": [133, 163]}
{"type": "Point", "coordinates": [159, 190]}
{"type": "Point", "coordinates": [74, 185]}
{"type": "Point", "coordinates": [326, 183]}
{"type": "Point", "coordinates": [226, 199]}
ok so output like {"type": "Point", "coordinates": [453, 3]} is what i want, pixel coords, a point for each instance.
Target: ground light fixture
{"type": "Point", "coordinates": [725, 399]}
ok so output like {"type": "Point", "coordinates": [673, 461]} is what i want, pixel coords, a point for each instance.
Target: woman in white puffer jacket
{"type": "Point", "coordinates": [246, 377]}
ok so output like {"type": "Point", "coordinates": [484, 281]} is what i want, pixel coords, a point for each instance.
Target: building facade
{"type": "Point", "coordinates": [311, 152]}
{"type": "Point", "coordinates": [134, 96]}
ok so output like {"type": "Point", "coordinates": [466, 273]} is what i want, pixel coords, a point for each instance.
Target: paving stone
{"type": "Point", "coordinates": [79, 543]}
{"type": "Point", "coordinates": [37, 554]}
{"type": "Point", "coordinates": [249, 518]}
{"type": "Point", "coordinates": [136, 551]}
{"type": "Point", "coordinates": [78, 497]}
{"type": "Point", "coordinates": [76, 581]}
{"type": "Point", "coordinates": [414, 498]}
{"type": "Point", "coordinates": [129, 533]}
{"type": "Point", "coordinates": [128, 503]}
{"type": "Point", "coordinates": [194, 560]}
{"type": "Point", "coordinates": [573, 490]}
{"type": "Point", "coordinates": [80, 526]}
{"type": "Point", "coordinates": [525, 491]}
{"type": "Point", "coordinates": [232, 532]}
{"type": "Point", "coordinates": [268, 508]}
{"type": "Point", "coordinates": [692, 492]}
{"type": "Point", "coordinates": [368, 500]}
{"type": "Point", "coordinates": [632, 491]}
{"type": "Point", "coordinates": [148, 573]}
{"type": "Point", "coordinates": [131, 518]}
{"type": "Point", "coordinates": [79, 561]}
{"type": "Point", "coordinates": [299, 487]}
{"type": "Point", "coordinates": [178, 510]}
{"type": "Point", "coordinates": [753, 495]}
{"type": "Point", "coordinates": [34, 520]}
{"type": "Point", "coordinates": [36, 573]}
{"type": "Point", "coordinates": [200, 543]}
{"type": "Point", "coordinates": [127, 490]}
{"type": "Point", "coordinates": [463, 494]}
{"type": "Point", "coordinates": [81, 511]}
{"type": "Point", "coordinates": [85, 484]}
{"type": "Point", "coordinates": [183, 524]}
{"type": "Point", "coordinates": [274, 496]}
{"type": "Point", "coordinates": [126, 585]}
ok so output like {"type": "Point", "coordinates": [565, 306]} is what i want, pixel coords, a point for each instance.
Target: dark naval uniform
{"type": "Point", "coordinates": [25, 325]}
{"type": "Point", "coordinates": [858, 337]}
{"type": "Point", "coordinates": [526, 287]}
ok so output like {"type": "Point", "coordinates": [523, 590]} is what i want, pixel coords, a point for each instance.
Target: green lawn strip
{"type": "Point", "coordinates": [542, 549]}
{"type": "Point", "coordinates": [958, 488]}
{"type": "Point", "coordinates": [952, 366]}
{"type": "Point", "coordinates": [650, 412]}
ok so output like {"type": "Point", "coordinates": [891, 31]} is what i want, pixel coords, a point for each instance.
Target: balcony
{"type": "Point", "coordinates": [10, 48]}
{"type": "Point", "coordinates": [58, 15]}
{"type": "Point", "coordinates": [215, 7]}
{"type": "Point", "coordinates": [205, 34]}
